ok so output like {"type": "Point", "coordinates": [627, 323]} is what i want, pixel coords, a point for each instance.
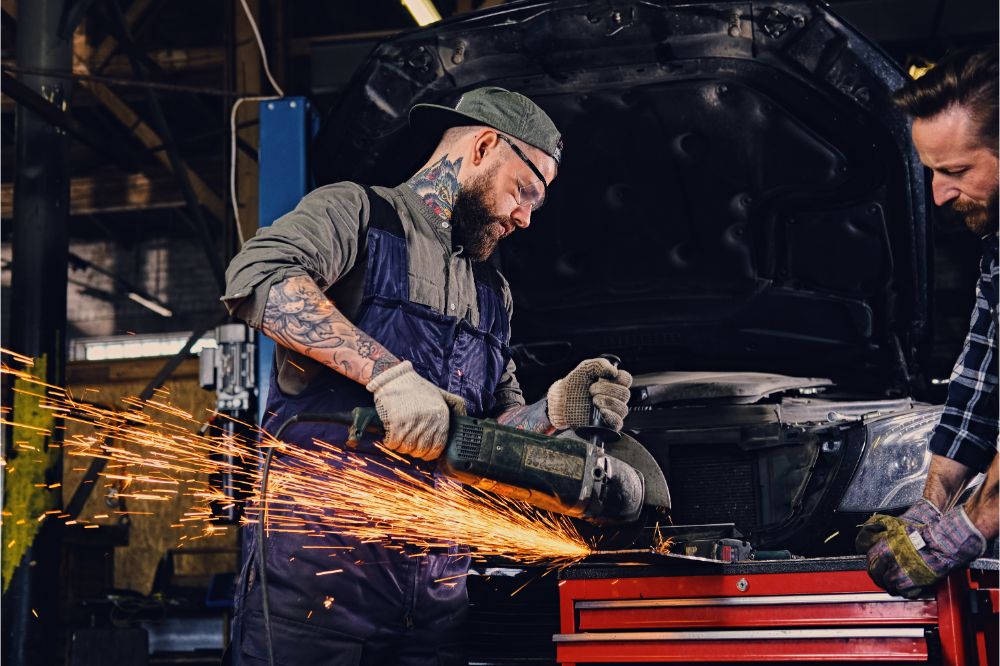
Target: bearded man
{"type": "Point", "coordinates": [954, 111]}
{"type": "Point", "coordinates": [383, 296]}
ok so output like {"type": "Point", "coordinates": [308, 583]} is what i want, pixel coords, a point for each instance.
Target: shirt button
{"type": "Point", "coordinates": [452, 307]}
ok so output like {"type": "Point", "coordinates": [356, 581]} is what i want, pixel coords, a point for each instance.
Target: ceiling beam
{"type": "Point", "coordinates": [57, 117]}
{"type": "Point", "coordinates": [135, 124]}
{"type": "Point", "coordinates": [106, 49]}
{"type": "Point", "coordinates": [150, 139]}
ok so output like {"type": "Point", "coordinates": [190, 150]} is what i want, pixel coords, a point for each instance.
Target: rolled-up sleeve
{"type": "Point", "coordinates": [319, 239]}
{"type": "Point", "coordinates": [508, 393]}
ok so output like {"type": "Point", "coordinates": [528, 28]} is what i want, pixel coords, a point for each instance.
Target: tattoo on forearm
{"type": "Point", "coordinates": [300, 317]}
{"type": "Point", "coordinates": [438, 185]}
{"type": "Point", "coordinates": [383, 363]}
{"type": "Point", "coordinates": [533, 417]}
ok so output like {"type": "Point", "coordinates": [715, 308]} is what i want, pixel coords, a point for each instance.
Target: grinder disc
{"type": "Point", "coordinates": [630, 451]}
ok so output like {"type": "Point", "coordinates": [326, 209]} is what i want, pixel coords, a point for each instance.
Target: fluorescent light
{"type": "Point", "coordinates": [133, 346]}
{"type": "Point", "coordinates": [423, 11]}
{"type": "Point", "coordinates": [150, 305]}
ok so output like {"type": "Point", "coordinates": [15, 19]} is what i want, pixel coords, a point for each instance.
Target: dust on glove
{"type": "Point", "coordinates": [415, 413]}
{"type": "Point", "coordinates": [595, 382]}
{"type": "Point", "coordinates": [904, 556]}
{"type": "Point", "coordinates": [920, 513]}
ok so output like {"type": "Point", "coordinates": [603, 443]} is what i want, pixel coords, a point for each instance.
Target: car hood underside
{"type": "Point", "coordinates": [737, 191]}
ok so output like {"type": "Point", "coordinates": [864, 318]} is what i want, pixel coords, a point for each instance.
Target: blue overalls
{"type": "Point", "coordinates": [386, 608]}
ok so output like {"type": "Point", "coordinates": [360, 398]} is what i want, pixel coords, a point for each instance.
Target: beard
{"type": "Point", "coordinates": [980, 219]}
{"type": "Point", "coordinates": [475, 226]}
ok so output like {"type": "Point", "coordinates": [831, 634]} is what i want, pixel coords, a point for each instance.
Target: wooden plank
{"type": "Point", "coordinates": [110, 192]}
{"type": "Point", "coordinates": [170, 60]}
{"type": "Point", "coordinates": [150, 536]}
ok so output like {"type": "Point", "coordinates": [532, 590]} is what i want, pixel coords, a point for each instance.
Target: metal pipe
{"type": "Point", "coordinates": [32, 631]}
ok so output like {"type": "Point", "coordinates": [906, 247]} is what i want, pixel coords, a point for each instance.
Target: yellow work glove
{"type": "Point", "coordinates": [415, 413]}
{"type": "Point", "coordinates": [909, 554]}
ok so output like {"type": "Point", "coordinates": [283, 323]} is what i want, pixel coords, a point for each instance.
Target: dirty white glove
{"type": "Point", "coordinates": [593, 382]}
{"type": "Point", "coordinates": [415, 412]}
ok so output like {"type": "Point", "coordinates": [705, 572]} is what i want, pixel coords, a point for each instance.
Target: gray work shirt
{"type": "Point", "coordinates": [324, 239]}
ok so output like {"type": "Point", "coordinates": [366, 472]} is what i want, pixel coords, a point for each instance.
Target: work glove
{"type": "Point", "coordinates": [414, 412]}
{"type": "Point", "coordinates": [593, 382]}
{"type": "Point", "coordinates": [922, 512]}
{"type": "Point", "coordinates": [906, 556]}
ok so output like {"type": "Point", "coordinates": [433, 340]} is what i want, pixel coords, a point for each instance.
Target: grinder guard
{"type": "Point", "coordinates": [562, 474]}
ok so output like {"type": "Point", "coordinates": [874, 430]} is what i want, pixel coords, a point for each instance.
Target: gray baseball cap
{"type": "Point", "coordinates": [509, 112]}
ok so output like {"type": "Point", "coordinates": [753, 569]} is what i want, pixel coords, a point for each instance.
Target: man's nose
{"type": "Point", "coordinates": [943, 189]}
{"type": "Point", "coordinates": [521, 216]}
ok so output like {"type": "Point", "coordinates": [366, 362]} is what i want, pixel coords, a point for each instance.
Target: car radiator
{"type": "Point", "coordinates": [713, 484]}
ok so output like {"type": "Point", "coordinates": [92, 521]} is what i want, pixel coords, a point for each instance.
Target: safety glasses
{"type": "Point", "coordinates": [532, 194]}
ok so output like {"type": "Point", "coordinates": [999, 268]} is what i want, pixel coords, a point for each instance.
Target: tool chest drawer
{"type": "Point", "coordinates": [760, 613]}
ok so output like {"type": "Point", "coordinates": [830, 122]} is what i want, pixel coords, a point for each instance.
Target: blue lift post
{"type": "Point", "coordinates": [286, 127]}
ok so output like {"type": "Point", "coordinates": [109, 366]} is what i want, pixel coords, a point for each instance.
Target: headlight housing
{"type": "Point", "coordinates": [894, 463]}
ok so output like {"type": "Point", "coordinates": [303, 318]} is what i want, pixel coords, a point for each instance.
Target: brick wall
{"type": "Point", "coordinates": [174, 270]}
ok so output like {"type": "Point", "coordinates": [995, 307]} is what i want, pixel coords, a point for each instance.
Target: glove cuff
{"type": "Point", "coordinates": [974, 543]}
{"type": "Point", "coordinates": [554, 397]}
{"type": "Point", "coordinates": [922, 511]}
{"type": "Point", "coordinates": [390, 375]}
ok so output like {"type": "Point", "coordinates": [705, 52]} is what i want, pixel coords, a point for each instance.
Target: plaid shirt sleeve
{"type": "Point", "coordinates": [967, 432]}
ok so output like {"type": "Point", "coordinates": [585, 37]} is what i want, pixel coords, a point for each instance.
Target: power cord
{"type": "Point", "coordinates": [235, 109]}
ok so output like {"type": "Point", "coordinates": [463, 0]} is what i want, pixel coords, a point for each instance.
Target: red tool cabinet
{"type": "Point", "coordinates": [807, 610]}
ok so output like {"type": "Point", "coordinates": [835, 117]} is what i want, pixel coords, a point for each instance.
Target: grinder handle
{"type": "Point", "coordinates": [598, 431]}
{"type": "Point", "coordinates": [364, 419]}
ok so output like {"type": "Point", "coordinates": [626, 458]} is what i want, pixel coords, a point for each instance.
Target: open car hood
{"type": "Point", "coordinates": [737, 191]}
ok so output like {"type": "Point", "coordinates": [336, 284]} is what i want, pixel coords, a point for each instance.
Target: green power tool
{"type": "Point", "coordinates": [603, 483]}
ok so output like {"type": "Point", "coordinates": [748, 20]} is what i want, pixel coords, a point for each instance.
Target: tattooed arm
{"type": "Point", "coordinates": [533, 417]}
{"type": "Point", "coordinates": [300, 317]}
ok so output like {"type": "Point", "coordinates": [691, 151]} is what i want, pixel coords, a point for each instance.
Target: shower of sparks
{"type": "Point", "coordinates": [155, 450]}
{"type": "Point", "coordinates": [661, 544]}
{"type": "Point", "coordinates": [329, 490]}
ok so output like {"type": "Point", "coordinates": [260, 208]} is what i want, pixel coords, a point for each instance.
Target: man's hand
{"type": "Point", "coordinates": [910, 553]}
{"type": "Point", "coordinates": [593, 382]}
{"type": "Point", "coordinates": [872, 539]}
{"type": "Point", "coordinates": [415, 413]}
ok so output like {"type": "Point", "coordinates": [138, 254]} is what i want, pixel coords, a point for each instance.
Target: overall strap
{"type": "Point", "coordinates": [484, 272]}
{"type": "Point", "coordinates": [381, 214]}
{"type": "Point", "coordinates": [387, 268]}
{"type": "Point", "coordinates": [493, 317]}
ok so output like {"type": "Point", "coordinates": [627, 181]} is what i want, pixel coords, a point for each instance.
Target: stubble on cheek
{"type": "Point", "coordinates": [979, 218]}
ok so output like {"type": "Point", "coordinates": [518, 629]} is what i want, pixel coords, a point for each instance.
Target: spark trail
{"type": "Point", "coordinates": [155, 449]}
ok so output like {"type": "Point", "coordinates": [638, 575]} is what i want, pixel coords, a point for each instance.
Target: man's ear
{"type": "Point", "coordinates": [485, 142]}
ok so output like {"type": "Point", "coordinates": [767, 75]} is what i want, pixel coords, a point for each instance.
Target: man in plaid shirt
{"type": "Point", "coordinates": [954, 111]}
